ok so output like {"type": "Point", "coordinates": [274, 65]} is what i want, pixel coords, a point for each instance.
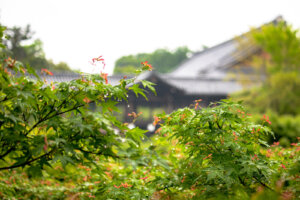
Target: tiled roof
{"type": "Point", "coordinates": [214, 61]}
{"type": "Point", "coordinates": [60, 77]}
{"type": "Point", "coordinates": [194, 86]}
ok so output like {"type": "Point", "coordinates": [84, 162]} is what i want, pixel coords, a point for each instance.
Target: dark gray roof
{"type": "Point", "coordinates": [195, 86]}
{"type": "Point", "coordinates": [213, 62]}
{"type": "Point", "coordinates": [63, 77]}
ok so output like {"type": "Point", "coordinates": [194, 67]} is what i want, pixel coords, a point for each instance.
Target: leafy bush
{"type": "Point", "coordinates": [42, 123]}
{"type": "Point", "coordinates": [221, 150]}
{"type": "Point", "coordinates": [286, 128]}
{"type": "Point", "coordinates": [206, 153]}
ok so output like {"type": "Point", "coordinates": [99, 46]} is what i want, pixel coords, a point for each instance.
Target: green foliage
{"type": "Point", "coordinates": [125, 70]}
{"type": "Point", "coordinates": [221, 149]}
{"type": "Point", "coordinates": [198, 153]}
{"type": "Point", "coordinates": [2, 29]}
{"type": "Point", "coordinates": [284, 92]}
{"type": "Point", "coordinates": [286, 128]}
{"type": "Point", "coordinates": [162, 60]}
{"type": "Point", "coordinates": [44, 123]}
{"type": "Point", "coordinates": [52, 146]}
{"type": "Point", "coordinates": [282, 44]}
{"type": "Point", "coordinates": [279, 92]}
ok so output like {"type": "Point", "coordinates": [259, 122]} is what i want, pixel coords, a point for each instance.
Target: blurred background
{"type": "Point", "coordinates": [73, 32]}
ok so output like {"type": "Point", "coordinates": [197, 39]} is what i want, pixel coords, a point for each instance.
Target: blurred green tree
{"type": "Point", "coordinates": [20, 47]}
{"type": "Point", "coordinates": [280, 88]}
{"type": "Point", "coordinates": [162, 60]}
{"type": "Point", "coordinates": [279, 91]}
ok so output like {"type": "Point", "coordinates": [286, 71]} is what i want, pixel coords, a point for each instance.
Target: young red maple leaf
{"type": "Point", "coordinates": [104, 76]}
{"type": "Point", "coordinates": [46, 71]}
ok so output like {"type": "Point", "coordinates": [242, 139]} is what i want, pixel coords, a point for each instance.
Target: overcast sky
{"type": "Point", "coordinates": [74, 31]}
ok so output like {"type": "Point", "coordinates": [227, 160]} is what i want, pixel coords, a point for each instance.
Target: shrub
{"type": "Point", "coordinates": [42, 123]}
{"type": "Point", "coordinates": [220, 151]}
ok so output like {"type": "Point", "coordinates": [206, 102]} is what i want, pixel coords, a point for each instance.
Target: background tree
{"type": "Point", "coordinates": [32, 53]}
{"type": "Point", "coordinates": [162, 60]}
{"type": "Point", "coordinates": [279, 92]}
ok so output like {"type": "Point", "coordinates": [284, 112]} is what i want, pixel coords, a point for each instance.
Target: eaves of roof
{"type": "Point", "coordinates": [221, 56]}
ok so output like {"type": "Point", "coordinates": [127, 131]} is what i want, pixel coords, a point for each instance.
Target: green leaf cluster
{"type": "Point", "coordinates": [45, 123]}
{"type": "Point", "coordinates": [221, 149]}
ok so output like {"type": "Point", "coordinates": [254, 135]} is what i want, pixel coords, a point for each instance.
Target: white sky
{"type": "Point", "coordinates": [75, 31]}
